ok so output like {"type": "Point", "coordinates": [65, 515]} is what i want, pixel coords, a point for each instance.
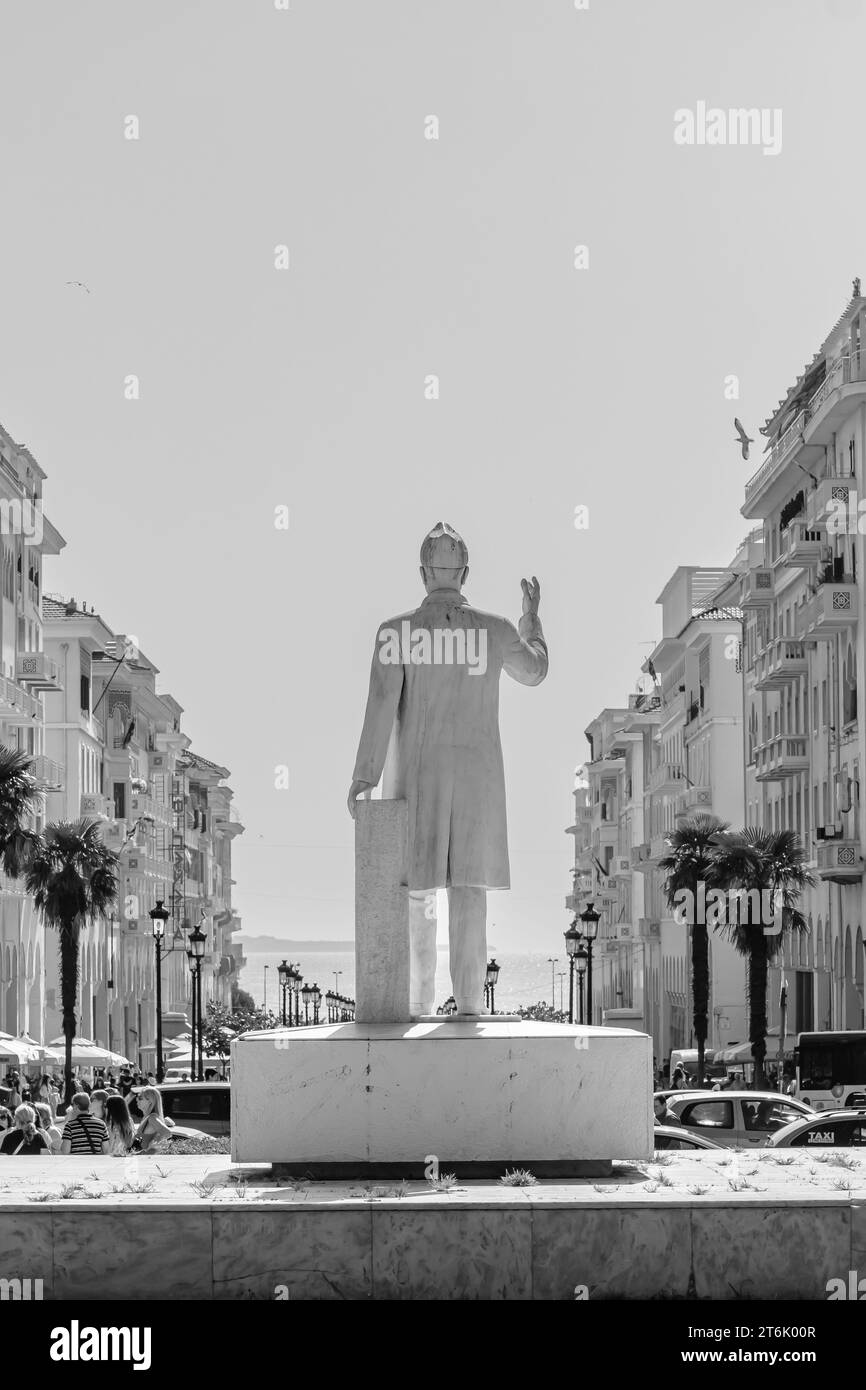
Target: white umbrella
{"type": "Point", "coordinates": [89, 1054]}
{"type": "Point", "coordinates": [24, 1053]}
{"type": "Point", "coordinates": [46, 1054]}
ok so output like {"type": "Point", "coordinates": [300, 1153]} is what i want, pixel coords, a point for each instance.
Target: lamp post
{"type": "Point", "coordinates": [560, 974]}
{"type": "Point", "coordinates": [590, 919]}
{"type": "Point", "coordinates": [316, 1001]}
{"type": "Point", "coordinates": [265, 995]}
{"type": "Point", "coordinates": [283, 970]}
{"type": "Point", "coordinates": [552, 962]}
{"type": "Point", "coordinates": [296, 991]}
{"type": "Point", "coordinates": [307, 992]}
{"type": "Point", "coordinates": [572, 943]}
{"type": "Point", "coordinates": [581, 958]}
{"type": "Point", "coordinates": [492, 977]}
{"type": "Point", "coordinates": [158, 919]}
{"type": "Point", "coordinates": [196, 949]}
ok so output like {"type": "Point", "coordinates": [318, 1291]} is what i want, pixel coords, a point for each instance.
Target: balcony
{"type": "Point", "coordinates": [649, 929]}
{"type": "Point", "coordinates": [18, 706]}
{"type": "Point", "coordinates": [50, 776]}
{"type": "Point", "coordinates": [141, 804]}
{"type": "Point", "coordinates": [839, 861]}
{"type": "Point", "coordinates": [37, 670]}
{"type": "Point", "coordinates": [698, 799]}
{"type": "Point", "coordinates": [831, 495]}
{"type": "Point", "coordinates": [93, 726]}
{"type": "Point", "coordinates": [666, 778]}
{"type": "Point", "coordinates": [805, 544]}
{"type": "Point", "coordinates": [758, 588]}
{"type": "Point", "coordinates": [780, 758]}
{"type": "Point", "coordinates": [659, 847]}
{"type": "Point", "coordinates": [831, 609]}
{"type": "Point", "coordinates": [640, 858]}
{"type": "Point", "coordinates": [836, 396]}
{"type": "Point", "coordinates": [777, 457]}
{"type": "Point", "coordinates": [781, 662]}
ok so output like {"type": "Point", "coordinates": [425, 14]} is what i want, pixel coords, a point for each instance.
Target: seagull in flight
{"type": "Point", "coordinates": [80, 284]}
{"type": "Point", "coordinates": [743, 439]}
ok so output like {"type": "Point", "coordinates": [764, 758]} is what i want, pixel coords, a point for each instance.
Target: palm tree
{"type": "Point", "coordinates": [19, 799]}
{"type": "Point", "coordinates": [771, 866]}
{"type": "Point", "coordinates": [72, 877]}
{"type": "Point", "coordinates": [690, 863]}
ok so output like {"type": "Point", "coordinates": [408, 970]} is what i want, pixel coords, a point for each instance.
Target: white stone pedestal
{"type": "Point", "coordinates": [348, 1099]}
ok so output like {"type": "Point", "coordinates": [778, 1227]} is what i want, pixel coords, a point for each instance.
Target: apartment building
{"type": "Point", "coordinates": [803, 653]}
{"type": "Point", "coordinates": [751, 714]}
{"type": "Point", "coordinates": [26, 674]}
{"type": "Point", "coordinates": [674, 750]}
{"type": "Point", "coordinates": [166, 812]}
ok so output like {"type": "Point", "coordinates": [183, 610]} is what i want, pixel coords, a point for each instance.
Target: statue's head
{"type": "Point", "coordinates": [444, 558]}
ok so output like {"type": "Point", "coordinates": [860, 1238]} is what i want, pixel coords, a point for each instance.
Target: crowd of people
{"type": "Point", "coordinates": [113, 1114]}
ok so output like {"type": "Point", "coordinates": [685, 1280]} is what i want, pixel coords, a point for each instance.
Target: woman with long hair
{"type": "Point", "coordinates": [119, 1124]}
{"type": "Point", "coordinates": [153, 1126]}
{"type": "Point", "coordinates": [24, 1139]}
{"type": "Point", "coordinates": [45, 1122]}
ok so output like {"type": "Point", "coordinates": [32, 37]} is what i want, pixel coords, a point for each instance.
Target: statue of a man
{"type": "Point", "coordinates": [432, 727]}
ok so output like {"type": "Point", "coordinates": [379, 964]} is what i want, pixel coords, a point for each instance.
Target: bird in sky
{"type": "Point", "coordinates": [80, 284]}
{"type": "Point", "coordinates": [743, 439]}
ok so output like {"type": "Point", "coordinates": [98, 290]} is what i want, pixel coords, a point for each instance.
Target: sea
{"type": "Point", "coordinates": [524, 977]}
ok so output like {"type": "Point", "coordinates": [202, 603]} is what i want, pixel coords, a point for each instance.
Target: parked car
{"type": "Point", "coordinates": [831, 1129]}
{"type": "Point", "coordinates": [672, 1137]}
{"type": "Point", "coordinates": [736, 1119]}
{"type": "Point", "coordinates": [206, 1105]}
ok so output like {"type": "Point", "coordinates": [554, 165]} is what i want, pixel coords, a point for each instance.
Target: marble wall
{"type": "Point", "coordinates": [451, 1247]}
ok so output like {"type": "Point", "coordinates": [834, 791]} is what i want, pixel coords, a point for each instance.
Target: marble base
{"type": "Point", "coordinates": [491, 1092]}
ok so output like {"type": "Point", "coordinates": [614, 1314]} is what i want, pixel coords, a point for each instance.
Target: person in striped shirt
{"type": "Point", "coordinates": [83, 1133]}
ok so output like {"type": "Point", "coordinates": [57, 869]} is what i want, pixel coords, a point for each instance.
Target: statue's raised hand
{"type": "Point", "coordinates": [531, 595]}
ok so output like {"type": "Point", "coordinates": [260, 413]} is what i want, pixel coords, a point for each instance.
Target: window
{"type": "Point", "coordinates": [667, 1141]}
{"type": "Point", "coordinates": [85, 695]}
{"type": "Point", "coordinates": [768, 1115]}
{"type": "Point", "coordinates": [120, 801]}
{"type": "Point", "coordinates": [708, 1114]}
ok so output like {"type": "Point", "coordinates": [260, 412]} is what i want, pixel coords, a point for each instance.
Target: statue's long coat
{"type": "Point", "coordinates": [434, 731]}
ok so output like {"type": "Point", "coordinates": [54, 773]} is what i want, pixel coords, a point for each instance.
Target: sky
{"type": "Point", "coordinates": [601, 385]}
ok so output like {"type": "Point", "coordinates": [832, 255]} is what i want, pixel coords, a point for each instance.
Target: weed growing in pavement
{"type": "Point", "coordinates": [697, 1190]}
{"type": "Point", "coordinates": [70, 1191]}
{"type": "Point", "coordinates": [518, 1177]}
{"type": "Point", "coordinates": [446, 1182]}
{"type": "Point", "coordinates": [200, 1187]}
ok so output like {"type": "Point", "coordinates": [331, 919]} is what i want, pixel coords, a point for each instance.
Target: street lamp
{"type": "Point", "coordinates": [284, 970]}
{"type": "Point", "coordinates": [195, 952]}
{"type": "Point", "coordinates": [158, 919]}
{"type": "Point", "coordinates": [581, 959]}
{"type": "Point", "coordinates": [552, 961]}
{"type": "Point", "coordinates": [316, 1001]}
{"type": "Point", "coordinates": [307, 993]}
{"type": "Point", "coordinates": [590, 919]}
{"type": "Point", "coordinates": [492, 977]}
{"type": "Point", "coordinates": [572, 943]}
{"type": "Point", "coordinates": [297, 977]}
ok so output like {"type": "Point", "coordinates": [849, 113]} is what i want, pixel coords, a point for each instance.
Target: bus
{"type": "Point", "coordinates": [831, 1069]}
